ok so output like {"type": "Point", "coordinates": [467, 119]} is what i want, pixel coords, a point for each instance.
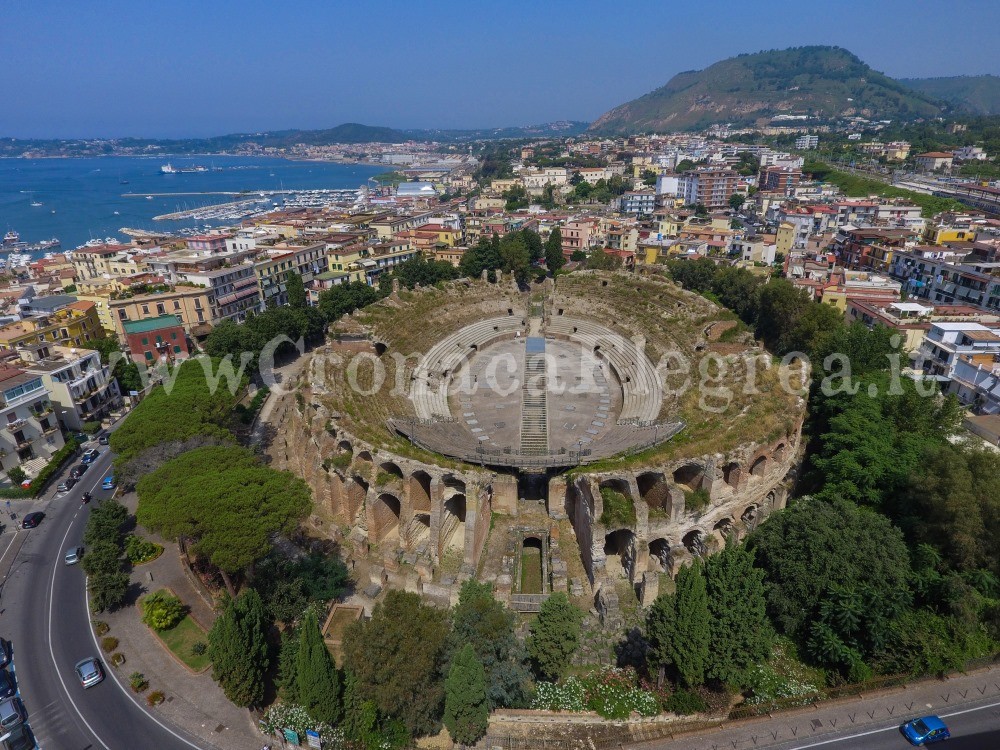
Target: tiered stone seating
{"type": "Point", "coordinates": [642, 393]}
{"type": "Point", "coordinates": [433, 374]}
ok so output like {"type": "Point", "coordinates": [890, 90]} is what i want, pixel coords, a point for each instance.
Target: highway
{"type": "Point", "coordinates": [43, 613]}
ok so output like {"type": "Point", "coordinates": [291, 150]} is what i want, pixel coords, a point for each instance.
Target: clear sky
{"type": "Point", "coordinates": [174, 68]}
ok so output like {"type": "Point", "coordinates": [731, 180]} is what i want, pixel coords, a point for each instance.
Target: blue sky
{"type": "Point", "coordinates": [201, 67]}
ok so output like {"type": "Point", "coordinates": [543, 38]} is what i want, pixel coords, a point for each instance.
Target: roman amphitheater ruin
{"type": "Point", "coordinates": [591, 436]}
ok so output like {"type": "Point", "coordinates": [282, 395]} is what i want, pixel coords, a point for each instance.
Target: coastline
{"type": "Point", "coordinates": [162, 157]}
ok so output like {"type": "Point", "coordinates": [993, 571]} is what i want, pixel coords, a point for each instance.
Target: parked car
{"type": "Point", "coordinates": [11, 713]}
{"type": "Point", "coordinates": [89, 671]}
{"type": "Point", "coordinates": [109, 482]}
{"type": "Point", "coordinates": [73, 555]}
{"type": "Point", "coordinates": [5, 652]}
{"type": "Point", "coordinates": [66, 485]}
{"type": "Point", "coordinates": [79, 470]}
{"type": "Point", "coordinates": [7, 688]}
{"type": "Point", "coordinates": [32, 520]}
{"type": "Point", "coordinates": [103, 439]}
{"type": "Point", "coordinates": [90, 456]}
{"type": "Point", "coordinates": [925, 730]}
{"type": "Point", "coordinates": [18, 738]}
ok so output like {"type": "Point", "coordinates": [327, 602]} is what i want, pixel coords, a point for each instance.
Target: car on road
{"type": "Point", "coordinates": [90, 456]}
{"type": "Point", "coordinates": [73, 555]}
{"type": "Point", "coordinates": [7, 688]}
{"type": "Point", "coordinates": [925, 730]}
{"type": "Point", "coordinates": [102, 440]}
{"type": "Point", "coordinates": [109, 482]}
{"type": "Point", "coordinates": [89, 671]}
{"type": "Point", "coordinates": [32, 520]}
{"type": "Point", "coordinates": [11, 713]}
{"type": "Point", "coordinates": [18, 738]}
{"type": "Point", "coordinates": [67, 485]}
{"type": "Point", "coordinates": [79, 470]}
{"type": "Point", "coordinates": [5, 652]}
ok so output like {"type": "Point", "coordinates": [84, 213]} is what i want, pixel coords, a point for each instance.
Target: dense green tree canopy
{"type": "Point", "coordinates": [555, 636]}
{"type": "Point", "coordinates": [554, 258]}
{"type": "Point", "coordinates": [679, 630]}
{"type": "Point", "coordinates": [296, 291]}
{"type": "Point", "coordinates": [317, 681]}
{"type": "Point", "coordinates": [237, 645]}
{"type": "Point", "coordinates": [344, 299]}
{"type": "Point", "coordinates": [466, 710]}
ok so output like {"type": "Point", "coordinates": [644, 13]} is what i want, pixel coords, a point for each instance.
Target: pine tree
{"type": "Point", "coordinates": [237, 645]}
{"type": "Point", "coordinates": [295, 290]}
{"type": "Point", "coordinates": [555, 635]}
{"type": "Point", "coordinates": [317, 681]}
{"type": "Point", "coordinates": [691, 647]}
{"type": "Point", "coordinates": [466, 711]}
{"type": "Point", "coordinates": [554, 257]}
{"type": "Point", "coordinates": [741, 634]}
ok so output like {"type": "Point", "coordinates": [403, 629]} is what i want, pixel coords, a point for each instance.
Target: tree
{"type": "Point", "coordinates": [295, 290]}
{"type": "Point", "coordinates": [484, 256]}
{"type": "Point", "coordinates": [424, 272]}
{"type": "Point", "coordinates": [108, 590]}
{"type": "Point", "coordinates": [684, 165]}
{"type": "Point", "coordinates": [226, 501]}
{"type": "Point", "coordinates": [344, 299]}
{"type": "Point", "coordinates": [515, 256]}
{"type": "Point", "coordinates": [678, 627]}
{"type": "Point", "coordinates": [536, 250]}
{"type": "Point", "coordinates": [649, 177]}
{"type": "Point", "coordinates": [466, 710]}
{"type": "Point", "coordinates": [398, 658]}
{"type": "Point", "coordinates": [555, 636]}
{"type": "Point", "coordinates": [317, 681]}
{"type": "Point", "coordinates": [736, 201]}
{"type": "Point", "coordinates": [780, 306]}
{"type": "Point", "coordinates": [237, 646]}
{"type": "Point", "coordinates": [288, 657]}
{"type": "Point", "coordinates": [554, 258]}
{"type": "Point", "coordinates": [161, 610]}
{"type": "Point", "coordinates": [489, 627]}
{"type": "Point", "coordinates": [102, 558]}
{"type": "Point", "coordinates": [602, 260]}
{"type": "Point", "coordinates": [700, 209]}
{"type": "Point", "coordinates": [578, 256]}
{"type": "Point", "coordinates": [694, 275]}
{"type": "Point", "coordinates": [123, 368]}
{"type": "Point", "coordinates": [741, 634]}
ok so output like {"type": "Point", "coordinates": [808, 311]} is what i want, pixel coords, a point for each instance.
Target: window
{"type": "Point", "coordinates": [177, 304]}
{"type": "Point", "coordinates": [177, 350]}
{"type": "Point", "coordinates": [149, 356]}
{"type": "Point", "coordinates": [122, 315]}
{"type": "Point", "coordinates": [160, 310]}
{"type": "Point", "coordinates": [173, 336]}
{"type": "Point", "coordinates": [145, 341]}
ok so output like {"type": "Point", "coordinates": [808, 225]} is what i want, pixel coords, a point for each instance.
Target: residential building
{"type": "Point", "coordinates": [971, 153]}
{"type": "Point", "coordinates": [73, 325]}
{"type": "Point", "coordinates": [807, 142]}
{"type": "Point", "coordinates": [273, 265]}
{"type": "Point", "coordinates": [81, 389]}
{"type": "Point", "coordinates": [579, 234]}
{"type": "Point", "coordinates": [781, 180]}
{"type": "Point", "coordinates": [708, 186]}
{"type": "Point", "coordinates": [30, 430]}
{"type": "Point", "coordinates": [939, 276]}
{"type": "Point", "coordinates": [159, 339]}
{"type": "Point", "coordinates": [933, 161]}
{"type": "Point", "coordinates": [195, 306]}
{"type": "Point", "coordinates": [638, 202]}
{"type": "Point", "coordinates": [948, 343]}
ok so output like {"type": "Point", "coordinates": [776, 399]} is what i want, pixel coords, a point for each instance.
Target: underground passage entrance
{"type": "Point", "coordinates": [531, 566]}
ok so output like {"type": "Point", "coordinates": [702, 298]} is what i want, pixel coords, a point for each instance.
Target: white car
{"type": "Point", "coordinates": [73, 555]}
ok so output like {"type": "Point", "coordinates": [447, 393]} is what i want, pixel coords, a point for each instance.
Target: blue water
{"type": "Point", "coordinates": [79, 196]}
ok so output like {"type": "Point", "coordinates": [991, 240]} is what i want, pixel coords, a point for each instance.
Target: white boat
{"type": "Point", "coordinates": [11, 237]}
{"type": "Point", "coordinates": [168, 169]}
{"type": "Point", "coordinates": [149, 197]}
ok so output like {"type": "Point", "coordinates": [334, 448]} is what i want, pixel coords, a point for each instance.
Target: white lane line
{"type": "Point", "coordinates": [52, 653]}
{"type": "Point", "coordinates": [112, 670]}
{"type": "Point", "coordinates": [894, 727]}
{"type": "Point", "coordinates": [12, 540]}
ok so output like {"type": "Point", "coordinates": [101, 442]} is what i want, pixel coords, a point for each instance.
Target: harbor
{"type": "Point", "coordinates": [259, 202]}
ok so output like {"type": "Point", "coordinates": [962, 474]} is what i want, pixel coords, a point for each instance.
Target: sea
{"type": "Point", "coordinates": [94, 198]}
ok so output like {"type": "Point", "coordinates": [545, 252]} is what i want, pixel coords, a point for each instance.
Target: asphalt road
{"type": "Point", "coordinates": [43, 612]}
{"type": "Point", "coordinates": [972, 728]}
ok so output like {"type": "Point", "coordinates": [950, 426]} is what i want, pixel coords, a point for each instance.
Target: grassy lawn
{"type": "Point", "coordinates": [531, 571]}
{"type": "Point", "coordinates": [180, 638]}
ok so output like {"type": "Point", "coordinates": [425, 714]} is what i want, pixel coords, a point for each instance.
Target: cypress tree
{"type": "Point", "coordinates": [691, 646]}
{"type": "Point", "coordinates": [661, 630]}
{"type": "Point", "coordinates": [554, 257]}
{"type": "Point", "coordinates": [741, 634]}
{"type": "Point", "coordinates": [555, 635]}
{"type": "Point", "coordinates": [466, 711]}
{"type": "Point", "coordinates": [237, 645]}
{"type": "Point", "coordinates": [317, 681]}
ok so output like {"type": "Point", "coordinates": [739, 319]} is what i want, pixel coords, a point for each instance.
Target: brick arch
{"type": "Point", "coordinates": [390, 467]}
{"type": "Point", "coordinates": [655, 491]}
{"type": "Point", "coordinates": [661, 556]}
{"type": "Point", "coordinates": [420, 491]}
{"type": "Point", "coordinates": [619, 550]}
{"type": "Point", "coordinates": [695, 542]}
{"type": "Point", "coordinates": [344, 446]}
{"type": "Point", "coordinates": [759, 467]}
{"type": "Point", "coordinates": [723, 528]}
{"type": "Point", "coordinates": [779, 453]}
{"type": "Point", "coordinates": [750, 516]}
{"type": "Point", "coordinates": [732, 474]}
{"type": "Point", "coordinates": [690, 475]}
{"type": "Point", "coordinates": [385, 517]}
{"type": "Point", "coordinates": [453, 523]}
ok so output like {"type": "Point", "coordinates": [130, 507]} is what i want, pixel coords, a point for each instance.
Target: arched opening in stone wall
{"type": "Point", "coordinates": [361, 482]}
{"type": "Point", "coordinates": [661, 560]}
{"type": "Point", "coordinates": [385, 514]}
{"type": "Point", "coordinates": [654, 489]}
{"type": "Point", "coordinates": [453, 482]}
{"type": "Point", "coordinates": [690, 476]}
{"type": "Point", "coordinates": [388, 473]}
{"type": "Point", "coordinates": [619, 552]}
{"type": "Point", "coordinates": [453, 523]}
{"type": "Point", "coordinates": [749, 517]}
{"type": "Point", "coordinates": [618, 485]}
{"type": "Point", "coordinates": [723, 528]}
{"type": "Point", "coordinates": [345, 446]}
{"type": "Point", "coordinates": [695, 543]}
{"type": "Point", "coordinates": [759, 466]}
{"type": "Point", "coordinates": [380, 348]}
{"type": "Point", "coordinates": [420, 491]}
{"type": "Point", "coordinates": [531, 566]}
{"type": "Point", "coordinates": [770, 501]}
{"type": "Point", "coordinates": [418, 530]}
{"type": "Point", "coordinates": [732, 474]}
{"type": "Point", "coordinates": [779, 453]}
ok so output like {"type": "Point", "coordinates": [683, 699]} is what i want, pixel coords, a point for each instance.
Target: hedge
{"type": "Point", "coordinates": [58, 460]}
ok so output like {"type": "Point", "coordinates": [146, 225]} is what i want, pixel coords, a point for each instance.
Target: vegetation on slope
{"type": "Point", "coordinates": [976, 94]}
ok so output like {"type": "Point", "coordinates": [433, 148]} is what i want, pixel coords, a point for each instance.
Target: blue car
{"type": "Point", "coordinates": [109, 482]}
{"type": "Point", "coordinates": [90, 456]}
{"type": "Point", "coordinates": [925, 730]}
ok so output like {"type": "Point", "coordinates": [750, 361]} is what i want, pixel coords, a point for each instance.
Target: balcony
{"type": "Point", "coordinates": [16, 425]}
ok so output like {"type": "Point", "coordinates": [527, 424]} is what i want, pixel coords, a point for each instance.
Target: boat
{"type": "Point", "coordinates": [168, 169]}
{"type": "Point", "coordinates": [11, 238]}
{"type": "Point", "coordinates": [149, 197]}
{"type": "Point", "coordinates": [116, 213]}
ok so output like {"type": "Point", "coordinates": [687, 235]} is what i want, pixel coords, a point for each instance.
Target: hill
{"type": "Point", "coordinates": [979, 95]}
{"type": "Point", "coordinates": [822, 82]}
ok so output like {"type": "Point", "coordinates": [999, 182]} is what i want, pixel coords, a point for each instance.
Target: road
{"type": "Point", "coordinates": [44, 616]}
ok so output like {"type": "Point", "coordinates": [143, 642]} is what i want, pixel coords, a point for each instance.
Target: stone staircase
{"type": "Point", "coordinates": [534, 409]}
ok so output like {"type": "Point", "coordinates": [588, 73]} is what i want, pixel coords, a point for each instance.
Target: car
{"type": "Point", "coordinates": [90, 456]}
{"type": "Point", "coordinates": [109, 482]}
{"type": "Point", "coordinates": [5, 652]}
{"type": "Point", "coordinates": [18, 738]}
{"type": "Point", "coordinates": [67, 485]}
{"type": "Point", "coordinates": [79, 470]}
{"type": "Point", "coordinates": [73, 555]}
{"type": "Point", "coordinates": [7, 688]}
{"type": "Point", "coordinates": [89, 671]}
{"type": "Point", "coordinates": [102, 440]}
{"type": "Point", "coordinates": [32, 520]}
{"type": "Point", "coordinates": [925, 730]}
{"type": "Point", "coordinates": [11, 713]}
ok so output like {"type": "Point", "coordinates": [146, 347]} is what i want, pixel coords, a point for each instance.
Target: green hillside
{"type": "Point", "coordinates": [978, 95]}
{"type": "Point", "coordinates": [824, 82]}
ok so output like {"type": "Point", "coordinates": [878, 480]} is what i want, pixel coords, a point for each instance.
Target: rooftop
{"type": "Point", "coordinates": [151, 324]}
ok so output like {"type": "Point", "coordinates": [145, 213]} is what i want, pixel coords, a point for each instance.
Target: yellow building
{"type": "Point", "coordinates": [195, 306]}
{"type": "Point", "coordinates": [73, 325]}
{"type": "Point", "coordinates": [101, 297]}
{"type": "Point", "coordinates": [784, 238]}
{"type": "Point", "coordinates": [941, 234]}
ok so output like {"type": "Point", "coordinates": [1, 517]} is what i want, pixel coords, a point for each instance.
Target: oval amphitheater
{"type": "Point", "coordinates": [589, 435]}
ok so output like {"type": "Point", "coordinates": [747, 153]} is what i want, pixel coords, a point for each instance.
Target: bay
{"type": "Point", "coordinates": [79, 197]}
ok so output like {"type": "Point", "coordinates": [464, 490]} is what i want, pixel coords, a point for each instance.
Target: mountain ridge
{"type": "Point", "coordinates": [975, 94]}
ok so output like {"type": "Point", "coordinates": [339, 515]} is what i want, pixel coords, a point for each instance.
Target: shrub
{"type": "Point", "coordinates": [199, 647]}
{"type": "Point", "coordinates": [103, 558]}
{"type": "Point", "coordinates": [618, 509]}
{"type": "Point", "coordinates": [117, 659]}
{"type": "Point", "coordinates": [611, 692]}
{"type": "Point", "coordinates": [697, 499]}
{"type": "Point", "coordinates": [16, 475]}
{"type": "Point", "coordinates": [109, 644]}
{"type": "Point", "coordinates": [138, 682]}
{"type": "Point", "coordinates": [91, 427]}
{"type": "Point", "coordinates": [101, 627]}
{"type": "Point", "coordinates": [161, 610]}
{"type": "Point", "coordinates": [337, 461]}
{"type": "Point", "coordinates": [155, 698]}
{"type": "Point", "coordinates": [289, 715]}
{"type": "Point", "coordinates": [139, 550]}
{"type": "Point", "coordinates": [685, 702]}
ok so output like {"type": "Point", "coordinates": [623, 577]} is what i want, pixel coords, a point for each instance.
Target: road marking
{"type": "Point", "coordinates": [12, 540]}
{"type": "Point", "coordinates": [891, 728]}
